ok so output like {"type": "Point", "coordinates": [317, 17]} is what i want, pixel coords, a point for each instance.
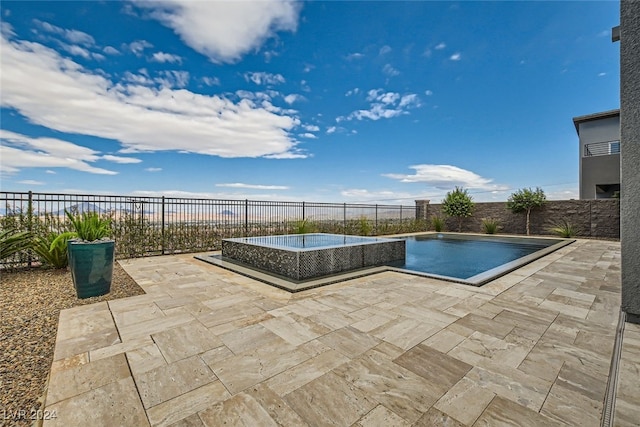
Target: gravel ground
{"type": "Point", "coordinates": [30, 302]}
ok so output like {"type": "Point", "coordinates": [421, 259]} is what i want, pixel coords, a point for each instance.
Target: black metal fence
{"type": "Point", "coordinates": [145, 226]}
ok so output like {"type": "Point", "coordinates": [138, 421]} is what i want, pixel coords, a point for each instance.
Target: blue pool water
{"type": "Point", "coordinates": [308, 241]}
{"type": "Point", "coordinates": [465, 258]}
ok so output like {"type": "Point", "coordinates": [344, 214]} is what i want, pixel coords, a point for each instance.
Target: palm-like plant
{"type": "Point", "coordinates": [51, 250]}
{"type": "Point", "coordinates": [490, 225]}
{"type": "Point", "coordinates": [564, 229]}
{"type": "Point", "coordinates": [437, 223]}
{"type": "Point", "coordinates": [13, 241]}
{"type": "Point", "coordinates": [88, 226]}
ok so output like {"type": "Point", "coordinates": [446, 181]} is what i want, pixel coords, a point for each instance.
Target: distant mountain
{"type": "Point", "coordinates": [82, 208]}
{"type": "Point", "coordinates": [227, 212]}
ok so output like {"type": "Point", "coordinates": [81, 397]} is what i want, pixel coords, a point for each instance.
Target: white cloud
{"type": "Point", "coordinates": [331, 129]}
{"type": "Point", "coordinates": [224, 31]}
{"type": "Point", "coordinates": [167, 57]}
{"type": "Point", "coordinates": [173, 78]}
{"type": "Point", "coordinates": [456, 56]}
{"type": "Point", "coordinates": [120, 159]}
{"type": "Point", "coordinates": [262, 78]}
{"type": "Point", "coordinates": [253, 186]}
{"type": "Point", "coordinates": [390, 71]}
{"type": "Point", "coordinates": [354, 91]}
{"type": "Point", "coordinates": [355, 56]}
{"type": "Point", "coordinates": [385, 49]}
{"type": "Point", "coordinates": [153, 169]}
{"type": "Point", "coordinates": [110, 50]}
{"type": "Point", "coordinates": [72, 36]}
{"type": "Point", "coordinates": [308, 135]}
{"type": "Point", "coordinates": [408, 100]}
{"type": "Point", "coordinates": [311, 128]}
{"type": "Point", "coordinates": [440, 46]}
{"type": "Point", "coordinates": [384, 105]}
{"type": "Point", "coordinates": [31, 182]}
{"type": "Point", "coordinates": [211, 81]}
{"type": "Point", "coordinates": [428, 92]}
{"type": "Point", "coordinates": [141, 118]}
{"type": "Point", "coordinates": [137, 47]}
{"type": "Point", "coordinates": [294, 97]}
{"type": "Point", "coordinates": [446, 177]}
{"type": "Point", "coordinates": [20, 151]}
{"type": "Point", "coordinates": [602, 74]}
{"type": "Point", "coordinates": [427, 52]}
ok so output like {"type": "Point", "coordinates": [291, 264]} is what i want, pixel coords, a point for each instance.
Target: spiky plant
{"type": "Point", "coordinates": [490, 225]}
{"type": "Point", "coordinates": [437, 223]}
{"type": "Point", "coordinates": [13, 241]}
{"type": "Point", "coordinates": [51, 250]}
{"type": "Point", "coordinates": [564, 229]}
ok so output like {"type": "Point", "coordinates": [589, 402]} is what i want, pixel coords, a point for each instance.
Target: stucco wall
{"type": "Point", "coordinates": [593, 218]}
{"type": "Point", "coordinates": [630, 152]}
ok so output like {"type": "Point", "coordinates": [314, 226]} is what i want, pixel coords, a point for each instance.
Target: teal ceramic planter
{"type": "Point", "coordinates": [91, 267]}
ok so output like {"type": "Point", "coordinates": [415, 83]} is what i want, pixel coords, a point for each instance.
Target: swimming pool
{"type": "Point", "coordinates": [472, 259]}
{"type": "Point", "coordinates": [300, 262]}
{"type": "Point", "coordinates": [309, 256]}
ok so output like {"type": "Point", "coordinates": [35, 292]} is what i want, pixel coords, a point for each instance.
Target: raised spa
{"type": "Point", "coordinates": [309, 256]}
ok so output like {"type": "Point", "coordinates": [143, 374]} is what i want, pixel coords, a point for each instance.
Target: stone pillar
{"type": "Point", "coordinates": [630, 157]}
{"type": "Point", "coordinates": [422, 209]}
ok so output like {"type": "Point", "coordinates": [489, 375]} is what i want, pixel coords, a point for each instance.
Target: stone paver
{"type": "Point", "coordinates": [207, 347]}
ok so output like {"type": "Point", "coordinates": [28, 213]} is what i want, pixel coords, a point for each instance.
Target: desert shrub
{"type": "Point", "coordinates": [490, 225]}
{"type": "Point", "coordinates": [564, 229]}
{"type": "Point", "coordinates": [437, 223]}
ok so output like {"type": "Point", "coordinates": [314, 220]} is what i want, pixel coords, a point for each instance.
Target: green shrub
{"type": "Point", "coordinates": [526, 200]}
{"type": "Point", "coordinates": [564, 229]}
{"type": "Point", "coordinates": [458, 203]}
{"type": "Point", "coordinates": [364, 226]}
{"type": "Point", "coordinates": [87, 226]}
{"type": "Point", "coordinates": [51, 250]}
{"type": "Point", "coordinates": [303, 227]}
{"type": "Point", "coordinates": [437, 223]}
{"type": "Point", "coordinates": [13, 241]}
{"type": "Point", "coordinates": [490, 225]}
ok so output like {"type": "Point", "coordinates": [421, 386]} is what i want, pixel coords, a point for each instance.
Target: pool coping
{"type": "Point", "coordinates": [478, 280]}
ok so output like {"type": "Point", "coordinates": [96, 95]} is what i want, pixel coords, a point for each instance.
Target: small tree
{"type": "Point", "coordinates": [526, 200]}
{"type": "Point", "coordinates": [458, 203]}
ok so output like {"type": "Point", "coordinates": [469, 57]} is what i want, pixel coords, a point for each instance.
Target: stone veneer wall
{"type": "Point", "coordinates": [593, 218]}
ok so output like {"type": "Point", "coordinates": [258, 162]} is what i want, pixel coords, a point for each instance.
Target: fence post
{"type": "Point", "coordinates": [30, 222]}
{"type": "Point", "coordinates": [303, 213]}
{"type": "Point", "coordinates": [246, 217]}
{"type": "Point", "coordinates": [344, 219]}
{"type": "Point", "coordinates": [162, 227]}
{"type": "Point", "coordinates": [376, 219]}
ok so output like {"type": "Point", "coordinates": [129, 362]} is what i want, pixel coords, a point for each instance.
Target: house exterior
{"type": "Point", "coordinates": [630, 137]}
{"type": "Point", "coordinates": [599, 136]}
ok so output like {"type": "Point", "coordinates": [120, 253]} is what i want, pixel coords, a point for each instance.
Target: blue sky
{"type": "Point", "coordinates": [381, 102]}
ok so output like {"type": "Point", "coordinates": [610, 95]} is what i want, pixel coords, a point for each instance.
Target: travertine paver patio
{"type": "Point", "coordinates": [206, 346]}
